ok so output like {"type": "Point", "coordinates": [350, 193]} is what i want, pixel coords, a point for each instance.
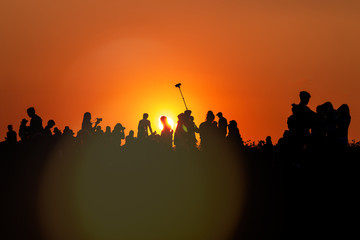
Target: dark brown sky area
{"type": "Point", "coordinates": [119, 59]}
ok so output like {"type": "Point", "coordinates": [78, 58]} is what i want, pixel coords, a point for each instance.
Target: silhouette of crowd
{"type": "Point", "coordinates": [212, 134]}
{"type": "Point", "coordinates": [323, 130]}
{"type": "Point", "coordinates": [289, 185]}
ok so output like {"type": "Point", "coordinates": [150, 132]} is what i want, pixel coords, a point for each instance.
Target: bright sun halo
{"type": "Point", "coordinates": [170, 121]}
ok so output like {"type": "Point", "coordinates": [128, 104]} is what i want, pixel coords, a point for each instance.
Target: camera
{"type": "Point", "coordinates": [98, 119]}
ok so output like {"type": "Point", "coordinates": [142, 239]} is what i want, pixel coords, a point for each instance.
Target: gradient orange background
{"type": "Point", "coordinates": [119, 59]}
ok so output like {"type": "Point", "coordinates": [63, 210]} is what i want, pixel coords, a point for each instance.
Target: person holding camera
{"type": "Point", "coordinates": [118, 134]}
{"type": "Point", "coordinates": [87, 125]}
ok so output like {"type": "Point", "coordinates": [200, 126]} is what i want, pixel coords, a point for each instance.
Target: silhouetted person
{"type": "Point", "coordinates": [234, 137]}
{"type": "Point", "coordinates": [24, 132]}
{"type": "Point", "coordinates": [48, 127]}
{"type": "Point", "coordinates": [304, 118]}
{"type": "Point", "coordinates": [98, 130]}
{"type": "Point", "coordinates": [318, 131]}
{"type": "Point", "coordinates": [86, 125]}
{"type": "Point", "coordinates": [222, 125]}
{"type": "Point", "coordinates": [181, 133]}
{"type": "Point", "coordinates": [167, 132]}
{"type": "Point", "coordinates": [195, 129]}
{"type": "Point", "coordinates": [342, 126]}
{"type": "Point", "coordinates": [57, 132]}
{"type": "Point", "coordinates": [118, 134]}
{"type": "Point", "coordinates": [268, 146]}
{"type": "Point", "coordinates": [208, 132]}
{"type": "Point", "coordinates": [108, 130]}
{"type": "Point", "coordinates": [189, 128]}
{"type": "Point", "coordinates": [130, 139]}
{"type": "Point", "coordinates": [144, 125]}
{"type": "Point", "coordinates": [330, 124]}
{"type": "Point", "coordinates": [11, 136]}
{"type": "Point", "coordinates": [36, 127]}
{"type": "Point", "coordinates": [68, 133]}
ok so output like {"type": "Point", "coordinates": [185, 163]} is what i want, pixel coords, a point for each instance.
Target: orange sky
{"type": "Point", "coordinates": [119, 59]}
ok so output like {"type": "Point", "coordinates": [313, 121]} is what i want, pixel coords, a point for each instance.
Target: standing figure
{"type": "Point", "coordinates": [144, 125]}
{"type": "Point", "coordinates": [208, 132]}
{"type": "Point", "coordinates": [222, 125]}
{"type": "Point", "coordinates": [118, 134]}
{"type": "Point", "coordinates": [36, 128]}
{"type": "Point", "coordinates": [304, 119]}
{"type": "Point", "coordinates": [86, 125]}
{"type": "Point", "coordinates": [24, 133]}
{"type": "Point", "coordinates": [342, 126]}
{"type": "Point", "coordinates": [167, 132]}
{"type": "Point", "coordinates": [234, 137]}
{"type": "Point", "coordinates": [180, 137]}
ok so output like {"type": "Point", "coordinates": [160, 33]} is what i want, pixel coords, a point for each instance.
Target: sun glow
{"type": "Point", "coordinates": [170, 121]}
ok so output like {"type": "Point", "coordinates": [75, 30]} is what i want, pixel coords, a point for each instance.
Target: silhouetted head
{"type": "Point", "coordinates": [232, 124]}
{"type": "Point", "coordinates": [68, 131]}
{"type": "Point", "coordinates": [10, 127]}
{"type": "Point", "coordinates": [187, 112]}
{"type": "Point", "coordinates": [118, 127]}
{"type": "Point", "coordinates": [320, 109]}
{"type": "Point", "coordinates": [268, 139]}
{"type": "Point", "coordinates": [31, 112]}
{"type": "Point", "coordinates": [291, 122]}
{"type": "Point", "coordinates": [131, 133]}
{"type": "Point", "coordinates": [87, 116]}
{"type": "Point", "coordinates": [163, 119]}
{"type": "Point", "coordinates": [57, 131]}
{"type": "Point", "coordinates": [219, 114]}
{"type": "Point", "coordinates": [108, 129]}
{"type": "Point", "coordinates": [343, 110]}
{"type": "Point", "coordinates": [210, 116]}
{"type": "Point", "coordinates": [180, 117]}
{"type": "Point", "coordinates": [145, 116]}
{"type": "Point", "coordinates": [328, 107]}
{"type": "Point", "coordinates": [24, 121]}
{"type": "Point", "coordinates": [51, 123]}
{"type": "Point", "coordinates": [304, 97]}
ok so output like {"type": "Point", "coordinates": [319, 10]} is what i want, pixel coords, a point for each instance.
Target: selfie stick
{"type": "Point", "coordinates": [178, 86]}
